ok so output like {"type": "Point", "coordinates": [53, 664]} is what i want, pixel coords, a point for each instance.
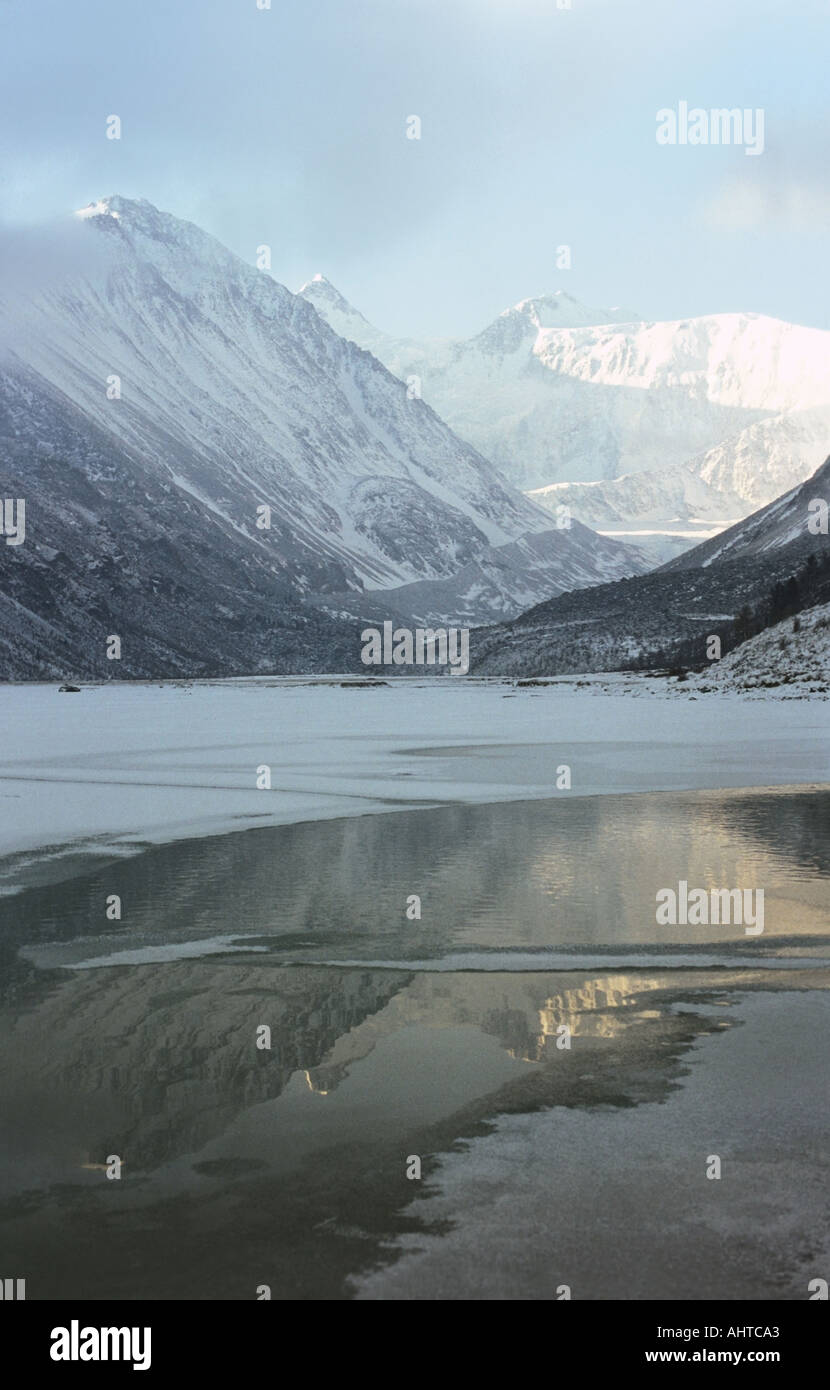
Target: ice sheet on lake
{"type": "Point", "coordinates": [122, 765]}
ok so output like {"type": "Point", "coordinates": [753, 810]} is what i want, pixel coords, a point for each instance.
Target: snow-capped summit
{"type": "Point", "coordinates": [191, 437]}
{"type": "Point", "coordinates": [649, 428]}
{"type": "Point", "coordinates": [549, 311]}
{"type": "Point", "coordinates": [517, 329]}
{"type": "Point", "coordinates": [562, 310]}
{"type": "Point", "coordinates": [339, 314]}
{"type": "Point", "coordinates": [319, 288]}
{"type": "Point", "coordinates": [320, 284]}
{"type": "Point", "coordinates": [242, 395]}
{"type": "Point", "coordinates": [102, 208]}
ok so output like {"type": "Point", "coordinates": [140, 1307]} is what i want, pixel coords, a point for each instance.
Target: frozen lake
{"type": "Point", "coordinates": [119, 766]}
{"type": "Point", "coordinates": [395, 1032]}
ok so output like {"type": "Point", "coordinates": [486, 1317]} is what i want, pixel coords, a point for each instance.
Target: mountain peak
{"type": "Point", "coordinates": [116, 205]}
{"type": "Point", "coordinates": [320, 285]}
{"type": "Point", "coordinates": [237, 397]}
{"type": "Point", "coordinates": [334, 307]}
{"type": "Point", "coordinates": [102, 208]}
{"type": "Point", "coordinates": [521, 323]}
{"type": "Point", "coordinates": [560, 309]}
{"type": "Point", "coordinates": [189, 258]}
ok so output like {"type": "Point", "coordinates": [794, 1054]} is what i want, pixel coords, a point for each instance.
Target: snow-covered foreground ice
{"type": "Point", "coordinates": [122, 765]}
{"type": "Point", "coordinates": [616, 1204]}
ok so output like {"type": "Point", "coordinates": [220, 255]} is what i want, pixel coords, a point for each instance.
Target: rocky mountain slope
{"type": "Point", "coordinates": [792, 657]}
{"type": "Point", "coordinates": [722, 588]}
{"type": "Point", "coordinates": [199, 453]}
{"type": "Point", "coordinates": [792, 520]}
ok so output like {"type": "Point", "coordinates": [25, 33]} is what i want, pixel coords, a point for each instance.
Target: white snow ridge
{"type": "Point", "coordinates": [659, 433]}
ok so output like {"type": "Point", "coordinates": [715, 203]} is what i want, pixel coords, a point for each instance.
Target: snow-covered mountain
{"type": "Point", "coordinates": [685, 426]}
{"type": "Point", "coordinates": [793, 522]}
{"type": "Point", "coordinates": [665, 618]}
{"type": "Point", "coordinates": [665, 512]}
{"type": "Point", "coordinates": [157, 392]}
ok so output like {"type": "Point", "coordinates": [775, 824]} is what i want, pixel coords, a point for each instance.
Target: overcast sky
{"type": "Point", "coordinates": [288, 126]}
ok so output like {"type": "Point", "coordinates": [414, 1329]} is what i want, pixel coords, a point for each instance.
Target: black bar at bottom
{"type": "Point", "coordinates": [218, 1338]}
